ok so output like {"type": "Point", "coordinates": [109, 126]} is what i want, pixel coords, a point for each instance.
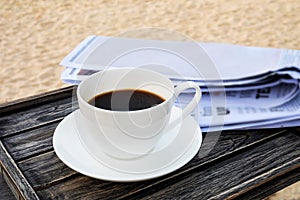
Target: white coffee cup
{"type": "Point", "coordinates": [130, 134]}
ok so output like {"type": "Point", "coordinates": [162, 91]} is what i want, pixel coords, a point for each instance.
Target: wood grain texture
{"type": "Point", "coordinates": [44, 170]}
{"type": "Point", "coordinates": [33, 142]}
{"type": "Point", "coordinates": [36, 116]}
{"type": "Point", "coordinates": [82, 187]}
{"type": "Point", "coordinates": [30, 102]}
{"type": "Point", "coordinates": [272, 186]}
{"type": "Point", "coordinates": [17, 178]}
{"type": "Point", "coordinates": [5, 192]}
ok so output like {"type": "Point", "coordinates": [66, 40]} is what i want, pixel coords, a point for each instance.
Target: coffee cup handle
{"type": "Point", "coordinates": [194, 102]}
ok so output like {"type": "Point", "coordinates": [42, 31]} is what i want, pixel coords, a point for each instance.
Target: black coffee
{"type": "Point", "coordinates": [126, 100]}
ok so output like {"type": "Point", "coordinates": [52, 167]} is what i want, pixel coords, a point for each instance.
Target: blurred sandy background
{"type": "Point", "coordinates": [36, 35]}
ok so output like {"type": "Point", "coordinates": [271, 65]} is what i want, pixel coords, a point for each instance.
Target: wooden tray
{"type": "Point", "coordinates": [243, 164]}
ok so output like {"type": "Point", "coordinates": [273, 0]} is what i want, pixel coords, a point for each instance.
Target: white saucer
{"type": "Point", "coordinates": [70, 150]}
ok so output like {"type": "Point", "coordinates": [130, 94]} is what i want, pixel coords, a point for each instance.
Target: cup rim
{"type": "Point", "coordinates": [121, 112]}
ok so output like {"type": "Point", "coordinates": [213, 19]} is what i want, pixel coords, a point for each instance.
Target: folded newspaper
{"type": "Point", "coordinates": [259, 86]}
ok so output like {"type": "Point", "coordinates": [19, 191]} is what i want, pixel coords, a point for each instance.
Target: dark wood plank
{"type": "Point", "coordinates": [216, 146]}
{"type": "Point", "coordinates": [83, 187]}
{"type": "Point", "coordinates": [282, 180]}
{"type": "Point", "coordinates": [33, 142]}
{"type": "Point", "coordinates": [44, 170]}
{"type": "Point", "coordinates": [272, 186]}
{"type": "Point", "coordinates": [240, 173]}
{"type": "Point", "coordinates": [33, 101]}
{"type": "Point", "coordinates": [16, 177]}
{"type": "Point", "coordinates": [36, 116]}
{"type": "Point", "coordinates": [5, 192]}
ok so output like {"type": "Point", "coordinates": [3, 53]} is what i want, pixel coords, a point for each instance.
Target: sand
{"type": "Point", "coordinates": [36, 35]}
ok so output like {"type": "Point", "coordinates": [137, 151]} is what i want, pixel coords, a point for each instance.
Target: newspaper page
{"type": "Point", "coordinates": [261, 84]}
{"type": "Point", "coordinates": [238, 62]}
